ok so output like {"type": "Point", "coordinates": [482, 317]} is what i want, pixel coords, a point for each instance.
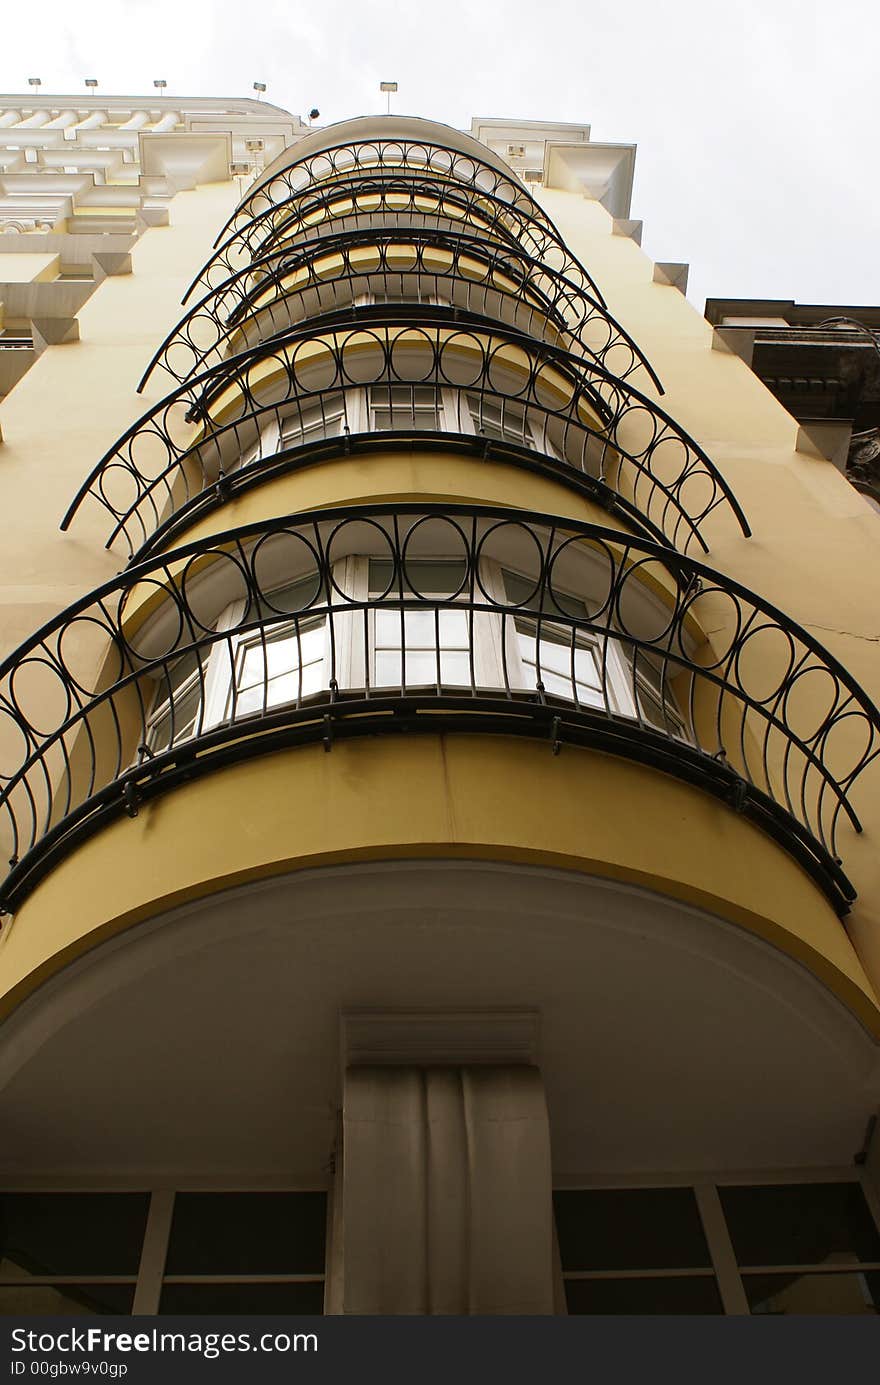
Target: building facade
{"type": "Point", "coordinates": [439, 779]}
{"type": "Point", "coordinates": [822, 362]}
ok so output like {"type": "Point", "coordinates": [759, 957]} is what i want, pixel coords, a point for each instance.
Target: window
{"type": "Point", "coordinates": [322, 418]}
{"type": "Point", "coordinates": [564, 660]}
{"type": "Point", "coordinates": [245, 1253]}
{"type": "Point", "coordinates": [634, 1250]}
{"type": "Point", "coordinates": [430, 646]}
{"type": "Point", "coordinates": [802, 1248]}
{"type": "Point", "coordinates": [504, 637]}
{"type": "Point", "coordinates": [75, 1253]}
{"type": "Point", "coordinates": [405, 407]}
{"type": "Point", "coordinates": [503, 419]}
{"type": "Point", "coordinates": [177, 702]}
{"type": "Point", "coordinates": [70, 1253]}
{"type": "Point", "coordinates": [806, 1248]}
{"type": "Point", "coordinates": [250, 671]}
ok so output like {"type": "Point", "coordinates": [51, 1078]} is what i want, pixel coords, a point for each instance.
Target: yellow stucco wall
{"type": "Point", "coordinates": [384, 477]}
{"type": "Point", "coordinates": [72, 405]}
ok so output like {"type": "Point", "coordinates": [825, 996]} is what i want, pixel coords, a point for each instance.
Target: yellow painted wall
{"type": "Point", "coordinates": [71, 407]}
{"type": "Point", "coordinates": [383, 477]}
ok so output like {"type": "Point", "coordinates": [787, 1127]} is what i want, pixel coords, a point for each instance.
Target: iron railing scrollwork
{"type": "Point", "coordinates": [570, 409]}
{"type": "Point", "coordinates": [271, 635]}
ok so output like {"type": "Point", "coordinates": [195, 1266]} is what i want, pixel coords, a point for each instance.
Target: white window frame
{"type": "Point", "coordinates": [497, 646]}
{"type": "Point", "coordinates": [357, 412]}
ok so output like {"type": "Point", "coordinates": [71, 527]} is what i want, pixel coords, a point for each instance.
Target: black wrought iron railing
{"type": "Point", "coordinates": [425, 618]}
{"type": "Point", "coordinates": [486, 380]}
{"type": "Point", "coordinates": [282, 289]}
{"type": "Point", "coordinates": [400, 157]}
{"type": "Point", "coordinates": [388, 199]}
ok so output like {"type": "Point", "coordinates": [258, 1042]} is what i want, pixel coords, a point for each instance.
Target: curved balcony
{"type": "Point", "coordinates": [425, 619]}
{"type": "Point", "coordinates": [389, 198]}
{"type": "Point", "coordinates": [280, 290]}
{"type": "Point", "coordinates": [489, 387]}
{"type": "Point", "coordinates": [303, 168]}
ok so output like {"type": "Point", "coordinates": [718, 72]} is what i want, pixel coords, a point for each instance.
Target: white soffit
{"type": "Point", "coordinates": [603, 172]}
{"type": "Point", "coordinates": [187, 159]}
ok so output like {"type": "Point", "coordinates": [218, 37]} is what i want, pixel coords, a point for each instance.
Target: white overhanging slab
{"type": "Point", "coordinates": [438, 1038]}
{"type": "Point", "coordinates": [187, 159]}
{"type": "Point", "coordinates": [603, 172]}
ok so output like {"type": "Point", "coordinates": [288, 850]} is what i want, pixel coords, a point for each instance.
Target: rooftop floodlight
{"type": "Point", "coordinates": [91, 83]}
{"type": "Point", "coordinates": [35, 81]}
{"type": "Point", "coordinates": [388, 88]}
{"type": "Point", "coordinates": [160, 83]}
{"type": "Point", "coordinates": [259, 88]}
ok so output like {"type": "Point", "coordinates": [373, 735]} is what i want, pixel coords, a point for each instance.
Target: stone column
{"type": "Point", "coordinates": [446, 1192]}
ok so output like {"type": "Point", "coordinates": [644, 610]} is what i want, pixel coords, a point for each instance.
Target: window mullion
{"type": "Point", "coordinates": [155, 1248]}
{"type": "Point", "coordinates": [730, 1285]}
{"type": "Point", "coordinates": [220, 680]}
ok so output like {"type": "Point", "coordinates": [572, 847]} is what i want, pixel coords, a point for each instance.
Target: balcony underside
{"type": "Point", "coordinates": [669, 1040]}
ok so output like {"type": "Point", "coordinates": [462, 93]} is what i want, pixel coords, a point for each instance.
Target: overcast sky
{"type": "Point", "coordinates": [756, 124]}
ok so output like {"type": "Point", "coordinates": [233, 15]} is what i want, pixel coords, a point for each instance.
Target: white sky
{"type": "Point", "coordinates": [756, 124]}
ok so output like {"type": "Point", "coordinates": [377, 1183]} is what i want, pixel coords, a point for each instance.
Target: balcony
{"type": "Point", "coordinates": [570, 418]}
{"type": "Point", "coordinates": [425, 619]}
{"type": "Point", "coordinates": [382, 185]}
{"type": "Point", "coordinates": [285, 287]}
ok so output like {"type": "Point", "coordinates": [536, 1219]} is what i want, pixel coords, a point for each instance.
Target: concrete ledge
{"type": "Point", "coordinates": [441, 1038]}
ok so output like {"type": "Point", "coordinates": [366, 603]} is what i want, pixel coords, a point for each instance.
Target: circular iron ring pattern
{"type": "Point", "coordinates": [372, 157]}
{"type": "Point", "coordinates": [760, 716]}
{"type": "Point", "coordinates": [584, 418]}
{"type": "Point", "coordinates": [326, 274]}
{"type": "Point", "coordinates": [382, 198]}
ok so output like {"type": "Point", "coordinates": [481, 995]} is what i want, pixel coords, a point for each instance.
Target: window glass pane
{"type": "Point", "coordinates": [67, 1300]}
{"type": "Point", "coordinates": [242, 1298]}
{"type": "Point", "coordinates": [431, 578]}
{"type": "Point", "coordinates": [389, 627]}
{"type": "Point", "coordinates": [387, 668]}
{"type": "Point", "coordinates": [800, 1224]}
{"type": "Point", "coordinates": [179, 672]}
{"type": "Point", "coordinates": [421, 667]}
{"type": "Point", "coordinates": [521, 591]}
{"type": "Point", "coordinates": [271, 674]}
{"type": "Point", "coordinates": [500, 418]}
{"type": "Point", "coordinates": [281, 653]}
{"type": "Point", "coordinates": [693, 1295]}
{"type": "Point", "coordinates": [630, 1229]}
{"type": "Point", "coordinates": [289, 687]}
{"type": "Point", "coordinates": [419, 630]}
{"type": "Point", "coordinates": [294, 597]}
{"type": "Point", "coordinates": [455, 667]}
{"type": "Point", "coordinates": [454, 629]}
{"type": "Point", "coordinates": [177, 720]}
{"type": "Point", "coordinates": [71, 1233]}
{"type": "Point", "coordinates": [247, 1233]}
{"type": "Point", "coordinates": [813, 1293]}
{"type": "Point", "coordinates": [313, 419]}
